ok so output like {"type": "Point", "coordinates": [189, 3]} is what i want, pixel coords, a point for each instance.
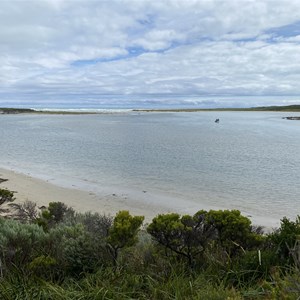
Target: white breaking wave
{"type": "Point", "coordinates": [84, 110]}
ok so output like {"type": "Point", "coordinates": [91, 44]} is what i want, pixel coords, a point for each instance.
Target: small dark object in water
{"type": "Point", "coordinates": [291, 118]}
{"type": "Point", "coordinates": [217, 120]}
{"type": "Point", "coordinates": [3, 180]}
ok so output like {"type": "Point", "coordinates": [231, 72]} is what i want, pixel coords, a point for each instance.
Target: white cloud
{"type": "Point", "coordinates": [74, 49]}
{"type": "Point", "coordinates": [159, 39]}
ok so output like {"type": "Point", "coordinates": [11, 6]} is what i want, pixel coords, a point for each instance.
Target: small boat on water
{"type": "Point", "coordinates": [217, 120]}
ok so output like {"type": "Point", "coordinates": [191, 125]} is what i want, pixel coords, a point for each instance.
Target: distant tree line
{"type": "Point", "coordinates": [7, 110]}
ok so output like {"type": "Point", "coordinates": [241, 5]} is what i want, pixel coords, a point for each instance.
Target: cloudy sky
{"type": "Point", "coordinates": [205, 53]}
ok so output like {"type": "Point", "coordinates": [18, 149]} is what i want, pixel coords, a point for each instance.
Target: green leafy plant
{"type": "Point", "coordinates": [6, 196]}
{"type": "Point", "coordinates": [234, 231]}
{"type": "Point", "coordinates": [284, 239]}
{"type": "Point", "coordinates": [54, 214]}
{"type": "Point", "coordinates": [123, 232]}
{"type": "Point", "coordinates": [19, 242]}
{"type": "Point", "coordinates": [43, 266]}
{"type": "Point", "coordinates": [186, 236]}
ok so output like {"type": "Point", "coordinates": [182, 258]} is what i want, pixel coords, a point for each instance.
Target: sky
{"type": "Point", "coordinates": [156, 53]}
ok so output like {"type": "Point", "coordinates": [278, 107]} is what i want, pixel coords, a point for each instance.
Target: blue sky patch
{"type": "Point", "coordinates": [289, 30]}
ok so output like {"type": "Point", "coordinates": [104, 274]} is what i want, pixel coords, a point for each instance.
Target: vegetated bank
{"type": "Point", "coordinates": [7, 110]}
{"type": "Point", "coordinates": [56, 253]}
{"type": "Point", "coordinates": [288, 108]}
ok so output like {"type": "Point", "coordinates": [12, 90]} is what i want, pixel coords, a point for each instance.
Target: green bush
{"type": "Point", "coordinates": [6, 196]}
{"type": "Point", "coordinates": [284, 239]}
{"type": "Point", "coordinates": [123, 232]}
{"type": "Point", "coordinates": [19, 243]}
{"type": "Point", "coordinates": [97, 225]}
{"type": "Point", "coordinates": [76, 250]}
{"type": "Point", "coordinates": [235, 231]}
{"type": "Point", "coordinates": [44, 267]}
{"type": "Point", "coordinates": [75, 257]}
{"type": "Point", "coordinates": [186, 236]}
{"type": "Point", "coordinates": [56, 213]}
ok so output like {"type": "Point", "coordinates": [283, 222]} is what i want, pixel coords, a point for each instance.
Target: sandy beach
{"type": "Point", "coordinates": [42, 192]}
{"type": "Point", "coordinates": [146, 203]}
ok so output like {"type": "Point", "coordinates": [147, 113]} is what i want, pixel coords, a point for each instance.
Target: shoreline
{"type": "Point", "coordinates": [88, 111]}
{"type": "Point", "coordinates": [41, 191]}
{"type": "Point", "coordinates": [108, 202]}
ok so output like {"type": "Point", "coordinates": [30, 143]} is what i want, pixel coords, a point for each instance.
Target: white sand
{"type": "Point", "coordinates": [109, 202]}
{"type": "Point", "coordinates": [42, 192]}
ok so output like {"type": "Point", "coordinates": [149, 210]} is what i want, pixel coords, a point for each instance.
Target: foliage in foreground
{"type": "Point", "coordinates": [60, 254]}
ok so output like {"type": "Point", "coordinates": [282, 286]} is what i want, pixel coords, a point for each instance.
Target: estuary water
{"type": "Point", "coordinates": [248, 161]}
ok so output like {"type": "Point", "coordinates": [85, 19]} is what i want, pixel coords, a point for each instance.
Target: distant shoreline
{"type": "Point", "coordinates": [15, 111]}
{"type": "Point", "coordinates": [289, 108]}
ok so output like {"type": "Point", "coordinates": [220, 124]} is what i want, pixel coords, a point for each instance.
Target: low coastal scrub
{"type": "Point", "coordinates": [57, 253]}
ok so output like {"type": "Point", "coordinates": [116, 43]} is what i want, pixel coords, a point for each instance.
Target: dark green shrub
{"type": "Point", "coordinates": [56, 213]}
{"type": "Point", "coordinates": [123, 232]}
{"type": "Point", "coordinates": [19, 243]}
{"type": "Point", "coordinates": [97, 225]}
{"type": "Point", "coordinates": [284, 239]}
{"type": "Point", "coordinates": [76, 250]}
{"type": "Point", "coordinates": [234, 230]}
{"type": "Point", "coordinates": [6, 196]}
{"type": "Point", "coordinates": [43, 266]}
{"type": "Point", "coordinates": [186, 236]}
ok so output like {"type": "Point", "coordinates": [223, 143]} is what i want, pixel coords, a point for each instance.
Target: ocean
{"type": "Point", "coordinates": [248, 161]}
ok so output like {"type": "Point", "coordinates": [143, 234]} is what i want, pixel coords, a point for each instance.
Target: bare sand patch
{"type": "Point", "coordinates": [107, 202]}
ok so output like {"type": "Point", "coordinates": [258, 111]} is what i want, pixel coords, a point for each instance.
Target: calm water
{"type": "Point", "coordinates": [249, 161]}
